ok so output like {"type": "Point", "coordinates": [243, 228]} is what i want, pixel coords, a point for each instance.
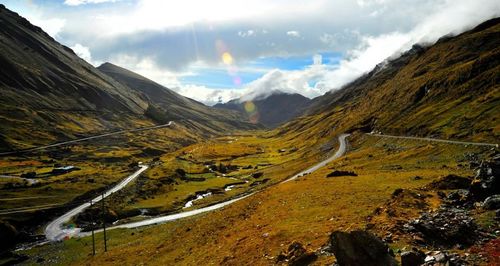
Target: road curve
{"type": "Point", "coordinates": [55, 231]}
{"type": "Point", "coordinates": [436, 140]}
{"type": "Point", "coordinates": [84, 139]}
{"type": "Point", "coordinates": [171, 217]}
{"type": "Point", "coordinates": [341, 151]}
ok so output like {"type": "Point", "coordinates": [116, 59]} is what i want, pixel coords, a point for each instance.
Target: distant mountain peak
{"type": "Point", "coordinates": [271, 109]}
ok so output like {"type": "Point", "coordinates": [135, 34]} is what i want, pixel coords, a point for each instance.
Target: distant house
{"type": "Point", "coordinates": [64, 170]}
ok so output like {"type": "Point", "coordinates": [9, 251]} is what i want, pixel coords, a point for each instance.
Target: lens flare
{"type": "Point", "coordinates": [237, 81]}
{"type": "Point", "coordinates": [227, 58]}
{"type": "Point", "coordinates": [249, 107]}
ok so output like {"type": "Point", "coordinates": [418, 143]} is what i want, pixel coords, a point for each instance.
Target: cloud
{"type": "Point", "coordinates": [248, 33]}
{"type": "Point", "coordinates": [166, 39]}
{"type": "Point", "coordinates": [292, 81]}
{"type": "Point", "coordinates": [293, 33]}
{"type": "Point", "coordinates": [82, 52]}
{"type": "Point", "coordinates": [451, 17]}
{"type": "Point", "coordinates": [52, 26]}
{"type": "Point", "coordinates": [84, 2]}
{"type": "Point", "coordinates": [208, 96]}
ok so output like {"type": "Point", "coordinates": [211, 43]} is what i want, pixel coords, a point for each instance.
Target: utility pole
{"type": "Point", "coordinates": [92, 228]}
{"type": "Point", "coordinates": [104, 223]}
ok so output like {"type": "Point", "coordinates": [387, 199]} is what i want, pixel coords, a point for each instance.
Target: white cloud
{"type": "Point", "coordinates": [293, 33]}
{"type": "Point", "coordinates": [83, 52]}
{"type": "Point", "coordinates": [208, 96]}
{"type": "Point", "coordinates": [84, 2]}
{"type": "Point", "coordinates": [291, 81]}
{"type": "Point", "coordinates": [174, 35]}
{"type": "Point", "coordinates": [149, 69]}
{"type": "Point", "coordinates": [451, 17]}
{"type": "Point", "coordinates": [52, 26]}
{"type": "Point", "coordinates": [248, 33]}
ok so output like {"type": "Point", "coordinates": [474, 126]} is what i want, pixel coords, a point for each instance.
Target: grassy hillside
{"type": "Point", "coordinates": [172, 106]}
{"type": "Point", "coordinates": [446, 90]}
{"type": "Point", "coordinates": [47, 88]}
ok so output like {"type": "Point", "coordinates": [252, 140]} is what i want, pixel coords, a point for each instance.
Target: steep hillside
{"type": "Point", "coordinates": [271, 111]}
{"type": "Point", "coordinates": [446, 90]}
{"type": "Point", "coordinates": [46, 88]}
{"type": "Point", "coordinates": [173, 106]}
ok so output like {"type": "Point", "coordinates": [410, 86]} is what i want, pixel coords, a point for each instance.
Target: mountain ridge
{"type": "Point", "coordinates": [270, 110]}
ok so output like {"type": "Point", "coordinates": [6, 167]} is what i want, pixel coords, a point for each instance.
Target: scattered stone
{"type": "Point", "coordinates": [341, 173]}
{"type": "Point", "coordinates": [492, 202]}
{"type": "Point", "coordinates": [360, 248]}
{"type": "Point", "coordinates": [445, 227]}
{"type": "Point", "coordinates": [297, 255]}
{"type": "Point", "coordinates": [412, 258]}
{"type": "Point", "coordinates": [434, 258]}
{"type": "Point", "coordinates": [487, 181]}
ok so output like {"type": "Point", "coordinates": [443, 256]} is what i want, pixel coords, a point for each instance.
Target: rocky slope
{"type": "Point", "coordinates": [272, 110]}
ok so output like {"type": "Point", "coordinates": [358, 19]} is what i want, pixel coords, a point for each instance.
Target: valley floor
{"type": "Point", "coordinates": [389, 183]}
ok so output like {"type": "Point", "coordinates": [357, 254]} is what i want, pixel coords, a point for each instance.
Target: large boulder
{"type": "Point", "coordinates": [8, 235]}
{"type": "Point", "coordinates": [412, 258]}
{"type": "Point", "coordinates": [359, 248]}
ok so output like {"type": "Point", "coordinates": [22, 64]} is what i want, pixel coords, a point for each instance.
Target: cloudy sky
{"type": "Point", "coordinates": [223, 49]}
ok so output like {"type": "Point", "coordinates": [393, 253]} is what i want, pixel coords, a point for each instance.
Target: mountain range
{"type": "Point", "coordinates": [270, 110]}
{"type": "Point", "coordinates": [46, 87]}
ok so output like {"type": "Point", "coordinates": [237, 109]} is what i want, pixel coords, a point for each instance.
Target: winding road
{"type": "Point", "coordinates": [436, 140]}
{"type": "Point", "coordinates": [55, 231]}
{"type": "Point", "coordinates": [87, 138]}
{"type": "Point", "coordinates": [341, 151]}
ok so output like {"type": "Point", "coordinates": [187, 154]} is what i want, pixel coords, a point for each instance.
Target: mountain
{"type": "Point", "coordinates": [46, 88]}
{"type": "Point", "coordinates": [175, 107]}
{"type": "Point", "coordinates": [447, 90]}
{"type": "Point", "coordinates": [272, 110]}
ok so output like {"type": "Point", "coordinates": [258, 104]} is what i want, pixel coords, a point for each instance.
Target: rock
{"type": "Point", "coordinates": [458, 197]}
{"type": "Point", "coordinates": [297, 255]}
{"type": "Point", "coordinates": [446, 227]}
{"type": "Point", "coordinates": [412, 258]}
{"type": "Point", "coordinates": [8, 234]}
{"type": "Point", "coordinates": [341, 173]}
{"type": "Point", "coordinates": [359, 248]}
{"type": "Point", "coordinates": [487, 181]}
{"type": "Point", "coordinates": [492, 202]}
{"type": "Point", "coordinates": [435, 258]}
{"type": "Point", "coordinates": [257, 175]}
{"type": "Point", "coordinates": [396, 192]}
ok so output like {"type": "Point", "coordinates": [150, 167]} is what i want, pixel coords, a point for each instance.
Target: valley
{"type": "Point", "coordinates": [399, 166]}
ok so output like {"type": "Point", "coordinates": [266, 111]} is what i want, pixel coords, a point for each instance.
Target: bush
{"type": "Point", "coordinates": [180, 172]}
{"type": "Point", "coordinates": [29, 175]}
